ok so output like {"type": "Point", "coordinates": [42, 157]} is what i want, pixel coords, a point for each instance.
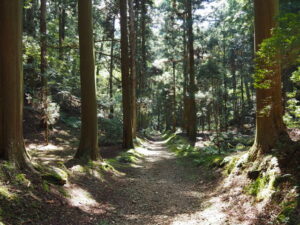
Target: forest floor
{"type": "Point", "coordinates": [158, 188]}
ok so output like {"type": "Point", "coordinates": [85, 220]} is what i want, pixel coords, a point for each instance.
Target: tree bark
{"type": "Point", "coordinates": [185, 79]}
{"type": "Point", "coordinates": [111, 67]}
{"type": "Point", "coordinates": [143, 65]}
{"type": "Point", "coordinates": [88, 147]}
{"type": "Point", "coordinates": [126, 92]}
{"type": "Point", "coordinates": [174, 97]}
{"type": "Point", "coordinates": [43, 67]}
{"type": "Point", "coordinates": [192, 123]}
{"type": "Point", "coordinates": [62, 23]}
{"type": "Point", "coordinates": [269, 122]}
{"type": "Point", "coordinates": [12, 146]}
{"type": "Point", "coordinates": [133, 67]}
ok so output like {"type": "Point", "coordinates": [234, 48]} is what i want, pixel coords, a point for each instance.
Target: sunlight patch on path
{"type": "Point", "coordinates": [84, 200]}
{"type": "Point", "coordinates": [44, 147]}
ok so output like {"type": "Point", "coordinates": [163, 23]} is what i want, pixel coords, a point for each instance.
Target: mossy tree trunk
{"type": "Point", "coordinates": [88, 147]}
{"type": "Point", "coordinates": [12, 146]}
{"type": "Point", "coordinates": [126, 81]}
{"type": "Point", "coordinates": [269, 122]}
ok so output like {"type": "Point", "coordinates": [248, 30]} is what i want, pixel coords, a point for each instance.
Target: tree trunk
{"type": "Point", "coordinates": [143, 64]}
{"type": "Point", "coordinates": [43, 67]}
{"type": "Point", "coordinates": [88, 147]}
{"type": "Point", "coordinates": [133, 66]}
{"type": "Point", "coordinates": [269, 122]}
{"type": "Point", "coordinates": [111, 67]}
{"type": "Point", "coordinates": [192, 123]}
{"type": "Point", "coordinates": [126, 82]}
{"type": "Point", "coordinates": [225, 121]}
{"type": "Point", "coordinates": [12, 146]}
{"type": "Point", "coordinates": [62, 23]}
{"type": "Point", "coordinates": [174, 97]}
{"type": "Point", "coordinates": [185, 80]}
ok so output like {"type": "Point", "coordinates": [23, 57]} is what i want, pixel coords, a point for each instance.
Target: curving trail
{"type": "Point", "coordinates": [161, 189]}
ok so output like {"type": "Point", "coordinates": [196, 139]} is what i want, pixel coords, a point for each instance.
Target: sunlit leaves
{"type": "Point", "coordinates": [282, 49]}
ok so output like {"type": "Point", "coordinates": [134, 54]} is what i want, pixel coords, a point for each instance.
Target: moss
{"type": "Point", "coordinates": [231, 165]}
{"type": "Point", "coordinates": [130, 156]}
{"type": "Point", "coordinates": [287, 213]}
{"type": "Point", "coordinates": [183, 149]}
{"type": "Point", "coordinates": [263, 187]}
{"type": "Point", "coordinates": [21, 179]}
{"type": "Point", "coordinates": [64, 192]}
{"type": "Point", "coordinates": [56, 176]}
{"type": "Point", "coordinates": [6, 194]}
{"type": "Point", "coordinates": [102, 222]}
{"type": "Point", "coordinates": [255, 187]}
{"type": "Point", "coordinates": [45, 186]}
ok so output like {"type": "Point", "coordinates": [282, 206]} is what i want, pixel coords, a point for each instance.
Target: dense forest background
{"type": "Point", "coordinates": [223, 49]}
{"type": "Point", "coordinates": [103, 84]}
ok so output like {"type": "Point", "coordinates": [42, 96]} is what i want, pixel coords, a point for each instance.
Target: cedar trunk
{"type": "Point", "coordinates": [12, 146]}
{"type": "Point", "coordinates": [192, 123]}
{"type": "Point", "coordinates": [111, 67]}
{"type": "Point", "coordinates": [269, 122]}
{"type": "Point", "coordinates": [88, 147]}
{"type": "Point", "coordinates": [174, 98]}
{"type": "Point", "coordinates": [133, 67]}
{"type": "Point", "coordinates": [43, 67]}
{"type": "Point", "coordinates": [126, 81]}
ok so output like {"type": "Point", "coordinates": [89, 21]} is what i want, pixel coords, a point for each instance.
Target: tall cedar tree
{"type": "Point", "coordinates": [133, 66]}
{"type": "Point", "coordinates": [43, 66]}
{"type": "Point", "coordinates": [269, 122]}
{"type": "Point", "coordinates": [192, 123]}
{"type": "Point", "coordinates": [126, 81]}
{"type": "Point", "coordinates": [88, 147]}
{"type": "Point", "coordinates": [12, 146]}
{"type": "Point", "coordinates": [111, 66]}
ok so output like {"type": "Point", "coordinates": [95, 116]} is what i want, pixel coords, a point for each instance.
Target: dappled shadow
{"type": "Point", "coordinates": [253, 212]}
{"type": "Point", "coordinates": [25, 199]}
{"type": "Point", "coordinates": [154, 191]}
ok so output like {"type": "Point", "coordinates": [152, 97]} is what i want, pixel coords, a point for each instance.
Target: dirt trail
{"type": "Point", "coordinates": [161, 189]}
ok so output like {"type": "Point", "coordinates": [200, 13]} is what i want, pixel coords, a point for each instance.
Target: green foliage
{"type": "Point", "coordinates": [71, 121]}
{"type": "Point", "coordinates": [110, 131]}
{"type": "Point", "coordinates": [288, 213]}
{"type": "Point", "coordinates": [281, 49]}
{"type": "Point", "coordinates": [292, 115]}
{"type": "Point", "coordinates": [200, 157]}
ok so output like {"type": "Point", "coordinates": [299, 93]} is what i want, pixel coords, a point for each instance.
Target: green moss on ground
{"type": "Point", "coordinates": [230, 164]}
{"type": "Point", "coordinates": [183, 149]}
{"type": "Point", "coordinates": [130, 156]}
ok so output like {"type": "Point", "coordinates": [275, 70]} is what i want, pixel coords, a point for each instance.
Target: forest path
{"type": "Point", "coordinates": [162, 189]}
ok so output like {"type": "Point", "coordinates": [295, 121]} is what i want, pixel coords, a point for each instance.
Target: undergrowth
{"type": "Point", "coordinates": [200, 157]}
